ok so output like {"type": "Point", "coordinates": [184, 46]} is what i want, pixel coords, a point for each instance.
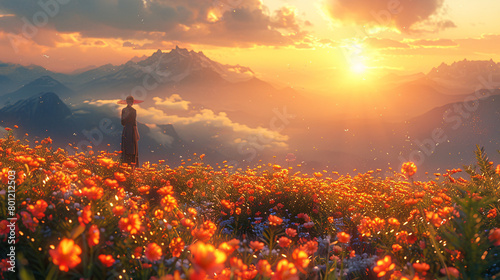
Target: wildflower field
{"type": "Point", "coordinates": [85, 216]}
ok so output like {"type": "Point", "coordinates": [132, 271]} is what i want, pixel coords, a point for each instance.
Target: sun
{"type": "Point", "coordinates": [358, 67]}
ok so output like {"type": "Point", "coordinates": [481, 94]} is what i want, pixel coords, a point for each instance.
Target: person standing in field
{"type": "Point", "coordinates": [130, 134]}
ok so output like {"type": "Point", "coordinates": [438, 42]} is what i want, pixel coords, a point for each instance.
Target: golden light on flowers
{"type": "Point", "coordinates": [106, 260]}
{"type": "Point", "coordinates": [285, 271]}
{"type": "Point", "coordinates": [264, 268]}
{"type": "Point", "coordinates": [409, 168]}
{"type": "Point", "coordinates": [38, 209]}
{"type": "Point", "coordinates": [86, 216]}
{"type": "Point", "coordinates": [300, 258]}
{"type": "Point", "coordinates": [132, 223]}
{"type": "Point", "coordinates": [66, 255]}
{"type": "Point", "coordinates": [93, 236]}
{"type": "Point", "coordinates": [396, 248]}
{"type": "Point", "coordinates": [176, 246]}
{"type": "Point", "coordinates": [383, 266]}
{"type": "Point", "coordinates": [206, 258]}
{"type": "Point", "coordinates": [343, 237]}
{"type": "Point", "coordinates": [153, 252]}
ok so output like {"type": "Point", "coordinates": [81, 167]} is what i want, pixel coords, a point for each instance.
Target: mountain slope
{"type": "Point", "coordinates": [42, 84]}
{"type": "Point", "coordinates": [43, 113]}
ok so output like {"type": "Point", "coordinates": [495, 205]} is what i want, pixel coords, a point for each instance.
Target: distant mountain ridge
{"type": "Point", "coordinates": [43, 84]}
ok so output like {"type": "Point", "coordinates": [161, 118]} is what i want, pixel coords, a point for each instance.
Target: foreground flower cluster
{"type": "Point", "coordinates": [85, 216]}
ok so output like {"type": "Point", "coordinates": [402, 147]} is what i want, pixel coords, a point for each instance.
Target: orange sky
{"type": "Point", "coordinates": [304, 44]}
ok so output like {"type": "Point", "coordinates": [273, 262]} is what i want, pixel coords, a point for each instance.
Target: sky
{"type": "Point", "coordinates": [298, 43]}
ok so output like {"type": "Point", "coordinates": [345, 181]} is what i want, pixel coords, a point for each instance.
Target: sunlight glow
{"type": "Point", "coordinates": [213, 16]}
{"type": "Point", "coordinates": [358, 68]}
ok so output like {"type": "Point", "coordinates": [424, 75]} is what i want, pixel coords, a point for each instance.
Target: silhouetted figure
{"type": "Point", "coordinates": [130, 134]}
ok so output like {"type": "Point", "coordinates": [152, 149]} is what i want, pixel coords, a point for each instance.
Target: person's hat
{"type": "Point", "coordinates": [130, 97]}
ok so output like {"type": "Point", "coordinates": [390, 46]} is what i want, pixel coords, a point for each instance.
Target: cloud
{"type": "Point", "coordinates": [213, 130]}
{"type": "Point", "coordinates": [402, 15]}
{"type": "Point", "coordinates": [173, 102]}
{"type": "Point", "coordinates": [384, 43]}
{"type": "Point", "coordinates": [434, 43]}
{"type": "Point", "coordinates": [221, 23]}
{"type": "Point", "coordinates": [156, 133]}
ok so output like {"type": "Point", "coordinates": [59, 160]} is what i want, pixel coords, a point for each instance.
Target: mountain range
{"type": "Point", "coordinates": [194, 104]}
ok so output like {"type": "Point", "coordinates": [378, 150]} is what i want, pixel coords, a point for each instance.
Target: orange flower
{"type": "Point", "coordinates": [264, 268]}
{"type": "Point", "coordinates": [66, 255]}
{"type": "Point", "coordinates": [291, 232]}
{"type": "Point", "coordinates": [285, 271]}
{"type": "Point", "coordinates": [70, 164]}
{"type": "Point", "coordinates": [256, 245]}
{"type": "Point", "coordinates": [192, 212]}
{"type": "Point", "coordinates": [492, 213]}
{"type": "Point", "coordinates": [106, 162]}
{"type": "Point", "coordinates": [187, 223]}
{"type": "Point", "coordinates": [434, 218]}
{"type": "Point", "coordinates": [169, 202]}
{"type": "Point", "coordinates": [93, 236]}
{"type": "Point", "coordinates": [118, 210]}
{"type": "Point", "coordinates": [494, 236]}
{"type": "Point", "coordinates": [383, 266]}
{"type": "Point", "coordinates": [310, 247]}
{"type": "Point", "coordinates": [437, 200]}
{"type": "Point", "coordinates": [205, 232]}
{"type": "Point", "coordinates": [132, 223]}
{"type": "Point", "coordinates": [111, 183]}
{"type": "Point", "coordinates": [38, 209]}
{"type": "Point", "coordinates": [421, 267]}
{"type": "Point", "coordinates": [409, 168]}
{"type": "Point", "coordinates": [230, 246]}
{"type": "Point", "coordinates": [206, 258]}
{"type": "Point", "coordinates": [106, 260]}
{"type": "Point", "coordinates": [86, 216]}
{"type": "Point", "coordinates": [343, 237]}
{"type": "Point", "coordinates": [93, 193]}
{"type": "Point", "coordinates": [498, 169]}
{"type": "Point", "coordinates": [393, 222]}
{"type": "Point", "coordinates": [120, 177]}
{"type": "Point", "coordinates": [153, 252]}
{"type": "Point", "coordinates": [284, 241]}
{"type": "Point", "coordinates": [300, 259]}
{"type": "Point", "coordinates": [176, 246]}
{"type": "Point", "coordinates": [396, 248]}
{"type": "Point", "coordinates": [144, 190]}
{"type": "Point", "coordinates": [274, 220]}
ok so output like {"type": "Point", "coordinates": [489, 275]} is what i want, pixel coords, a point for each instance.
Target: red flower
{"type": "Point", "coordinates": [284, 241]}
{"type": "Point", "coordinates": [343, 237]}
{"type": "Point", "coordinates": [153, 252]}
{"type": "Point", "coordinates": [274, 220]}
{"type": "Point", "coordinates": [66, 255]}
{"type": "Point", "coordinates": [93, 236]}
{"type": "Point", "coordinates": [383, 266]}
{"type": "Point", "coordinates": [176, 246]}
{"type": "Point", "coordinates": [494, 236]}
{"type": "Point", "coordinates": [291, 232]}
{"type": "Point", "coordinates": [256, 245]}
{"type": "Point", "coordinates": [409, 168]}
{"type": "Point", "coordinates": [106, 260]}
